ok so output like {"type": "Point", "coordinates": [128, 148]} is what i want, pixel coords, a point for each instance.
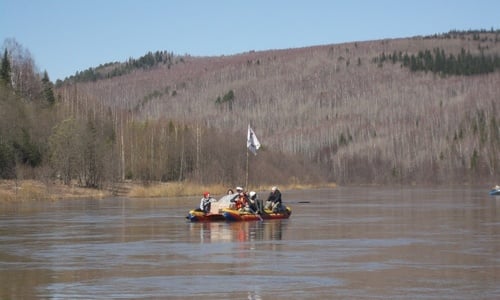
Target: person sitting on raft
{"type": "Point", "coordinates": [240, 200]}
{"type": "Point", "coordinates": [274, 200]}
{"type": "Point", "coordinates": [206, 202]}
{"type": "Point", "coordinates": [255, 204]}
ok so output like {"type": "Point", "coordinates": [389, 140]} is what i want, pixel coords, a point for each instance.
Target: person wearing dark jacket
{"type": "Point", "coordinates": [274, 200]}
{"type": "Point", "coordinates": [255, 203]}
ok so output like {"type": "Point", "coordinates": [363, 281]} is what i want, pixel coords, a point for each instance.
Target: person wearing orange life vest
{"type": "Point", "coordinates": [241, 199]}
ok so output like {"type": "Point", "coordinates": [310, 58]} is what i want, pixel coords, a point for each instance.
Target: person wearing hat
{"type": "Point", "coordinates": [240, 199]}
{"type": "Point", "coordinates": [206, 202]}
{"type": "Point", "coordinates": [255, 204]}
{"type": "Point", "coordinates": [274, 200]}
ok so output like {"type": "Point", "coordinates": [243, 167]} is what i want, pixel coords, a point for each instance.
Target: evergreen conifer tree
{"type": "Point", "coordinates": [48, 93]}
{"type": "Point", "coordinates": [5, 69]}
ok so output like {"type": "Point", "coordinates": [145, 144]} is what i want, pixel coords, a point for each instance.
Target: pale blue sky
{"type": "Point", "coordinates": [65, 36]}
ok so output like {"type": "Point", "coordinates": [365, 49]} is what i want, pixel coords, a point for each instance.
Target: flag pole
{"type": "Point", "coordinates": [252, 144]}
{"type": "Point", "coordinates": [246, 180]}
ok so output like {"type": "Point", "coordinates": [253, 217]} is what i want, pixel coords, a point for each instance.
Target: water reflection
{"type": "Point", "coordinates": [209, 232]}
{"type": "Point", "coordinates": [349, 243]}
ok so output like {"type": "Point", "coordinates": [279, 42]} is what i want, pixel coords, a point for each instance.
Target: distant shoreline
{"type": "Point", "coordinates": [32, 190]}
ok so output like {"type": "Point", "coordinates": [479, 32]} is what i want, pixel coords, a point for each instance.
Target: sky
{"type": "Point", "coordinates": [66, 36]}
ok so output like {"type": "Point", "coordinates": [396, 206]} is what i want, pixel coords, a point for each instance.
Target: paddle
{"type": "Point", "coordinates": [255, 201]}
{"type": "Point", "coordinates": [255, 213]}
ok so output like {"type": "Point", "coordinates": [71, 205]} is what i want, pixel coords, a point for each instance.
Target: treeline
{"type": "Point", "coordinates": [482, 35]}
{"type": "Point", "coordinates": [437, 61]}
{"type": "Point", "coordinates": [74, 139]}
{"type": "Point", "coordinates": [318, 118]}
{"type": "Point", "coordinates": [110, 70]}
{"type": "Point", "coordinates": [96, 147]}
{"type": "Point", "coordinates": [338, 121]}
{"type": "Point", "coordinates": [24, 94]}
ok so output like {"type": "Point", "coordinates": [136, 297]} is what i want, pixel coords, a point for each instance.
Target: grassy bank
{"type": "Point", "coordinates": [26, 190]}
{"type": "Point", "coordinates": [193, 189]}
{"type": "Point", "coordinates": [30, 190]}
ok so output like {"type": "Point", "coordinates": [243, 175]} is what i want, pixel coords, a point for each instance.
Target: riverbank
{"type": "Point", "coordinates": [30, 190]}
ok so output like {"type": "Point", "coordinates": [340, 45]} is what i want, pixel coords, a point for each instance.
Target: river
{"type": "Point", "coordinates": [342, 243]}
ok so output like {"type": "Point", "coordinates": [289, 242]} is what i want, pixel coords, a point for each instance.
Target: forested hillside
{"type": "Point", "coordinates": [412, 110]}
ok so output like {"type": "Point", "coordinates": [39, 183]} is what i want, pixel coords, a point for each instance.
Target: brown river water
{"type": "Point", "coordinates": [343, 243]}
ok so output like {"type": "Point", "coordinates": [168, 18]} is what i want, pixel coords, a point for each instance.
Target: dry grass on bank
{"type": "Point", "coordinates": [174, 189]}
{"type": "Point", "coordinates": [193, 189]}
{"type": "Point", "coordinates": [30, 190]}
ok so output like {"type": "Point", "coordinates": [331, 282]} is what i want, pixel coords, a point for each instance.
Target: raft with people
{"type": "Point", "coordinates": [240, 206]}
{"type": "Point", "coordinates": [234, 215]}
{"type": "Point", "coordinates": [210, 209]}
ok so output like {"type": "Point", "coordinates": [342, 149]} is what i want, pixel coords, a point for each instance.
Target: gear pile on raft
{"type": "Point", "coordinates": [240, 206]}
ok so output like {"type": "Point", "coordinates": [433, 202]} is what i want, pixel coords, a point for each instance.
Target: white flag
{"type": "Point", "coordinates": [252, 142]}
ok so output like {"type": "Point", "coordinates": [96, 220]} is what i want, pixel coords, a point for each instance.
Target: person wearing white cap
{"type": "Point", "coordinates": [255, 203]}
{"type": "Point", "coordinates": [240, 199]}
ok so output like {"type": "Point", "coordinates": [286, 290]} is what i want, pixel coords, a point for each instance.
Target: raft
{"type": "Point", "coordinates": [215, 214]}
{"type": "Point", "coordinates": [223, 210]}
{"type": "Point", "coordinates": [196, 215]}
{"type": "Point", "coordinates": [233, 215]}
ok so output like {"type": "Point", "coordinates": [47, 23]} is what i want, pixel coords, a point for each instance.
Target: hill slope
{"type": "Point", "coordinates": [344, 109]}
